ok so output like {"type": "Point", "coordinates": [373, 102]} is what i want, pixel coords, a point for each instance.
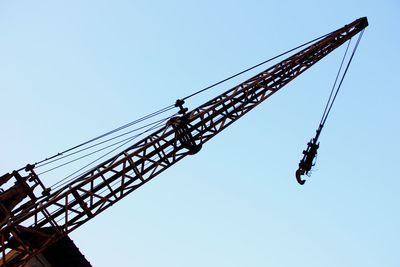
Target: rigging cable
{"type": "Point", "coordinates": [99, 143]}
{"type": "Point", "coordinates": [334, 84]}
{"type": "Point", "coordinates": [101, 149]}
{"type": "Point", "coordinates": [66, 179]}
{"type": "Point", "coordinates": [255, 66]}
{"type": "Point", "coordinates": [327, 110]}
{"type": "Point", "coordinates": [158, 112]}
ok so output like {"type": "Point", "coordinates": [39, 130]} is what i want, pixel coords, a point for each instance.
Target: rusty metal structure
{"type": "Point", "coordinates": [30, 226]}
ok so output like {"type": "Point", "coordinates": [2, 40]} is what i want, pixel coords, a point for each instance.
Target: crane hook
{"type": "Point", "coordinates": [309, 155]}
{"type": "Point", "coordinates": [308, 160]}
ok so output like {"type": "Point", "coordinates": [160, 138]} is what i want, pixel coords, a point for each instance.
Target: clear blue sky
{"type": "Point", "coordinates": [71, 70]}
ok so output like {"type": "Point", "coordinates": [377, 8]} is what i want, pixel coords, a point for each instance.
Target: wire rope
{"type": "Point", "coordinates": [158, 112]}
{"type": "Point", "coordinates": [100, 143]}
{"type": "Point", "coordinates": [66, 179]}
{"type": "Point", "coordinates": [334, 91]}
{"type": "Point", "coordinates": [334, 84]}
{"type": "Point", "coordinates": [255, 66]}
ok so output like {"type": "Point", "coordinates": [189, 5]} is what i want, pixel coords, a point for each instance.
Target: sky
{"type": "Point", "coordinates": [71, 70]}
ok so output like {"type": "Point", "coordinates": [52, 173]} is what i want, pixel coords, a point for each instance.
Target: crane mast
{"type": "Point", "coordinates": [31, 227]}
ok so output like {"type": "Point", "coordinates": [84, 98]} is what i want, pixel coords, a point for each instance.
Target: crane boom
{"type": "Point", "coordinates": [43, 220]}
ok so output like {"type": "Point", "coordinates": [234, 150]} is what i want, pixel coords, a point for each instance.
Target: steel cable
{"type": "Point", "coordinates": [158, 112]}
{"type": "Point", "coordinates": [255, 66]}
{"type": "Point", "coordinates": [331, 100]}
{"type": "Point", "coordinates": [124, 142]}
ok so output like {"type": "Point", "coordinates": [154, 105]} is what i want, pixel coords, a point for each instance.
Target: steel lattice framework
{"type": "Point", "coordinates": [40, 223]}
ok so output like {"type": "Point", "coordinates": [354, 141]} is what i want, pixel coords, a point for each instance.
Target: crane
{"type": "Point", "coordinates": [33, 217]}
